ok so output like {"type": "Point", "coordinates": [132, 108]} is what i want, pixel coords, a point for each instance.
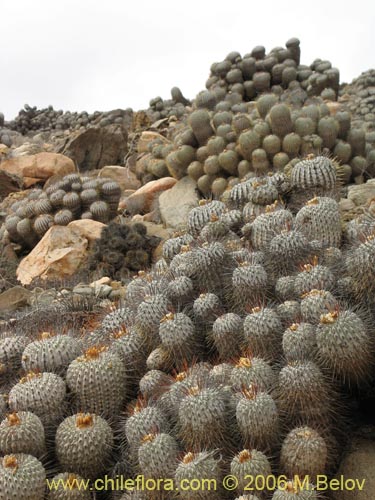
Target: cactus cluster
{"type": "Point", "coordinates": [73, 197]}
{"type": "Point", "coordinates": [262, 112]}
{"type": "Point", "coordinates": [236, 353]}
{"type": "Point", "coordinates": [122, 249]}
{"type": "Point", "coordinates": [31, 119]}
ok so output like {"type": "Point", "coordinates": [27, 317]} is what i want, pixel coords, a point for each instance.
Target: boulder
{"type": "Point", "coordinates": [60, 253]}
{"type": "Point", "coordinates": [361, 194]}
{"type": "Point", "coordinates": [9, 183]}
{"type": "Point", "coordinates": [97, 147]}
{"type": "Point", "coordinates": [123, 175]}
{"type": "Point", "coordinates": [144, 199]}
{"type": "Point", "coordinates": [14, 298]}
{"type": "Point", "coordinates": [176, 203]}
{"type": "Point", "coordinates": [147, 137]}
{"type": "Point", "coordinates": [38, 167]}
{"type": "Point", "coordinates": [357, 465]}
{"type": "Point", "coordinates": [89, 229]}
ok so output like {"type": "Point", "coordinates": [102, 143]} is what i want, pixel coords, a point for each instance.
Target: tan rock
{"type": "Point", "coordinates": [3, 150]}
{"type": "Point", "coordinates": [89, 229]}
{"type": "Point", "coordinates": [361, 194]}
{"type": "Point", "coordinates": [60, 253]}
{"type": "Point", "coordinates": [346, 204]}
{"type": "Point", "coordinates": [176, 203]}
{"type": "Point", "coordinates": [142, 201]}
{"type": "Point", "coordinates": [14, 298]}
{"type": "Point", "coordinates": [147, 137]}
{"type": "Point", "coordinates": [358, 465]}
{"type": "Point", "coordinates": [333, 107]}
{"type": "Point", "coordinates": [106, 280]}
{"type": "Point", "coordinates": [38, 167]}
{"type": "Point", "coordinates": [123, 175]}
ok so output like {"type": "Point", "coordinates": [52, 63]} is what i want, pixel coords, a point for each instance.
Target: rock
{"type": "Point", "coordinates": [43, 297]}
{"type": "Point", "coordinates": [83, 290]}
{"type": "Point", "coordinates": [141, 164]}
{"type": "Point", "coordinates": [106, 280]}
{"type": "Point", "coordinates": [346, 204]}
{"type": "Point", "coordinates": [60, 253]}
{"type": "Point", "coordinates": [176, 203]}
{"type": "Point", "coordinates": [143, 200]}
{"type": "Point", "coordinates": [89, 229]}
{"type": "Point", "coordinates": [3, 150]}
{"type": "Point", "coordinates": [146, 138]}
{"type": "Point", "coordinates": [14, 298]}
{"type": "Point", "coordinates": [39, 167]}
{"type": "Point", "coordinates": [358, 465]}
{"type": "Point", "coordinates": [123, 175]}
{"type": "Point", "coordinates": [97, 147]}
{"type": "Point", "coordinates": [28, 148]}
{"type": "Point", "coordinates": [103, 291]}
{"type": "Point", "coordinates": [9, 183]}
{"type": "Point", "coordinates": [361, 194]}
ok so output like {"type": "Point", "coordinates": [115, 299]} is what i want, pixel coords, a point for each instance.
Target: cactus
{"type": "Point", "coordinates": [253, 371]}
{"type": "Point", "coordinates": [344, 345]}
{"type": "Point", "coordinates": [261, 331]}
{"type": "Point", "coordinates": [22, 432]}
{"type": "Point", "coordinates": [257, 418]}
{"type": "Point", "coordinates": [299, 342]}
{"type": "Point", "coordinates": [304, 453]}
{"type": "Point", "coordinates": [52, 353]}
{"type": "Point", "coordinates": [22, 476]}
{"type": "Point", "coordinates": [158, 455]}
{"type": "Point", "coordinates": [83, 444]}
{"type": "Point", "coordinates": [316, 303]}
{"type": "Point", "coordinates": [98, 381]}
{"type": "Point", "coordinates": [68, 486]}
{"type": "Point", "coordinates": [304, 394]}
{"type": "Point", "coordinates": [227, 335]}
{"type": "Point", "coordinates": [202, 419]}
{"type": "Point", "coordinates": [198, 466]}
{"type": "Point", "coordinates": [11, 349]}
{"type": "Point", "coordinates": [247, 463]}
{"type": "Point", "coordinates": [39, 393]}
{"type": "Point", "coordinates": [320, 220]}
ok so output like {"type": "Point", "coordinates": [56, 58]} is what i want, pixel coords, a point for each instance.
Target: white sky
{"type": "Point", "coordinates": [89, 54]}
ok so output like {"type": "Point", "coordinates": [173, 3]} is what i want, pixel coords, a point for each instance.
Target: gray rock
{"type": "Point", "coordinates": [83, 290]}
{"type": "Point", "coordinates": [9, 183]}
{"type": "Point", "coordinates": [95, 148]}
{"type": "Point", "coordinates": [14, 298]}
{"type": "Point", "coordinates": [358, 465]}
{"type": "Point", "coordinates": [176, 203]}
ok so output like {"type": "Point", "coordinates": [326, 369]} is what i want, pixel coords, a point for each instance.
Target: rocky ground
{"type": "Point", "coordinates": [259, 113]}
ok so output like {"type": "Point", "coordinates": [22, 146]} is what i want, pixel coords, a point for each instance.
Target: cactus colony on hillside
{"type": "Point", "coordinates": [232, 352]}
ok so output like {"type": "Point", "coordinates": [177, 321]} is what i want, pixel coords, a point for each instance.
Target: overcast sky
{"type": "Point", "coordinates": [101, 55]}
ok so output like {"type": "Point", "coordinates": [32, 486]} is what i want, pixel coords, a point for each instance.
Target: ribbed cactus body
{"type": "Point", "coordinates": [304, 453]}
{"type": "Point", "coordinates": [68, 486]}
{"type": "Point", "coordinates": [84, 444]}
{"type": "Point", "coordinates": [39, 393]}
{"type": "Point", "coordinates": [247, 463]}
{"type": "Point", "coordinates": [52, 353]}
{"type": "Point", "coordinates": [98, 382]}
{"type": "Point", "coordinates": [344, 345]}
{"type": "Point", "coordinates": [22, 476]}
{"type": "Point", "coordinates": [22, 432]}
